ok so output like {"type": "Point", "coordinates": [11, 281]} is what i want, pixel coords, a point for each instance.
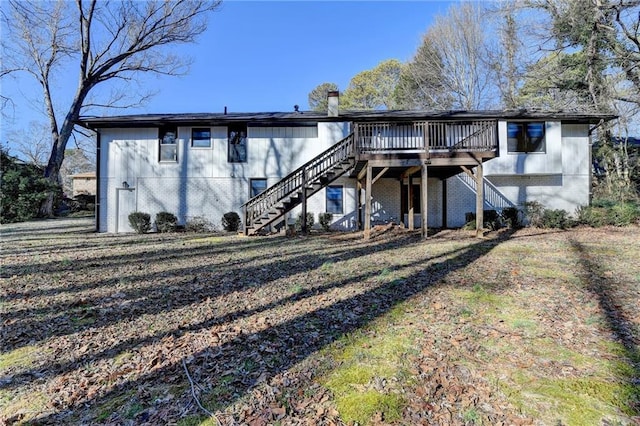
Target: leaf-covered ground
{"type": "Point", "coordinates": [531, 327]}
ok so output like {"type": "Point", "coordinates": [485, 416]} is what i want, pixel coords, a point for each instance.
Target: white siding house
{"type": "Point", "coordinates": [209, 164]}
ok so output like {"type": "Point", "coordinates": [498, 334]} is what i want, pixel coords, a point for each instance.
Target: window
{"type": "Point", "coordinates": [257, 186]}
{"type": "Point", "coordinates": [525, 137]}
{"type": "Point", "coordinates": [237, 144]}
{"type": "Point", "coordinates": [334, 199]}
{"type": "Point", "coordinates": [201, 138]}
{"type": "Point", "coordinates": [168, 136]}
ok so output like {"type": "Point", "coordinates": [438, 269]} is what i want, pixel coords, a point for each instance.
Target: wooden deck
{"type": "Point", "coordinates": [445, 146]}
{"type": "Point", "coordinates": [416, 148]}
{"type": "Point", "coordinates": [422, 149]}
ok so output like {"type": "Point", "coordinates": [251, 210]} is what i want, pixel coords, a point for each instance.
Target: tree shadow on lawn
{"type": "Point", "coordinates": [45, 370]}
{"type": "Point", "coordinates": [237, 361]}
{"type": "Point", "coordinates": [165, 290]}
{"type": "Point", "coordinates": [603, 287]}
{"type": "Point", "coordinates": [137, 242]}
{"type": "Point", "coordinates": [45, 226]}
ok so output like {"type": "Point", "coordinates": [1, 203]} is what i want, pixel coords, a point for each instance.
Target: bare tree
{"type": "Point", "coordinates": [32, 143]}
{"type": "Point", "coordinates": [107, 42]}
{"type": "Point", "coordinates": [453, 56]}
{"type": "Point", "coordinates": [595, 59]}
{"type": "Point", "coordinates": [420, 85]}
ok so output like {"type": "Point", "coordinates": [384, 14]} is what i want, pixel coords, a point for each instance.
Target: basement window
{"type": "Point", "coordinates": [237, 144]}
{"type": "Point", "coordinates": [526, 137]}
{"type": "Point", "coordinates": [168, 138]}
{"type": "Point", "coordinates": [257, 186]}
{"type": "Point", "coordinates": [334, 199]}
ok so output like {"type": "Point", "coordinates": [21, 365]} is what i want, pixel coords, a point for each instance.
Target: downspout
{"type": "Point", "coordinates": [97, 209]}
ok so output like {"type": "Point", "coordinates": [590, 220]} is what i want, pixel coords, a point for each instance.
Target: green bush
{"type": "Point", "coordinates": [231, 221]}
{"type": "Point", "coordinates": [198, 224]}
{"type": "Point", "coordinates": [624, 214]}
{"type": "Point", "coordinates": [166, 222]}
{"type": "Point", "coordinates": [533, 213]}
{"type": "Point", "coordinates": [491, 220]}
{"type": "Point", "coordinates": [23, 189]}
{"type": "Point", "coordinates": [592, 216]}
{"type": "Point", "coordinates": [310, 221]}
{"type": "Point", "coordinates": [511, 216]}
{"type": "Point", "coordinates": [140, 222]}
{"type": "Point", "coordinates": [325, 220]}
{"type": "Point", "coordinates": [555, 219]}
{"type": "Point", "coordinates": [604, 203]}
{"type": "Point", "coordinates": [605, 212]}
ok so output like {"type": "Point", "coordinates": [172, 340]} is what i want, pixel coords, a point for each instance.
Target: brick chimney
{"type": "Point", "coordinates": [333, 102]}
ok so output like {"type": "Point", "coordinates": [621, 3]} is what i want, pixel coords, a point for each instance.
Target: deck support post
{"type": "Point", "coordinates": [425, 204]}
{"type": "Point", "coordinates": [479, 201]}
{"type": "Point", "coordinates": [303, 225]}
{"type": "Point", "coordinates": [367, 203]}
{"type": "Point", "coordinates": [411, 223]}
{"type": "Point", "coordinates": [444, 203]}
{"type": "Point", "coordinates": [358, 204]}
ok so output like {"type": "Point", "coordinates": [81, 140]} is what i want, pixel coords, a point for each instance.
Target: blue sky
{"type": "Point", "coordinates": [267, 56]}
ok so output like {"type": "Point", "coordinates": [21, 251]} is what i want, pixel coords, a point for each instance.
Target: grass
{"type": "Point", "coordinates": [539, 327]}
{"type": "Point", "coordinates": [22, 358]}
{"type": "Point", "coordinates": [366, 361]}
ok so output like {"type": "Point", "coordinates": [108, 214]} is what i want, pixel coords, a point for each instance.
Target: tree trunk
{"type": "Point", "coordinates": [52, 171]}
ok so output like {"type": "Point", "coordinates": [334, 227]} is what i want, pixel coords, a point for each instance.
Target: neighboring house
{"type": "Point", "coordinates": [362, 167]}
{"type": "Point", "coordinates": [83, 184]}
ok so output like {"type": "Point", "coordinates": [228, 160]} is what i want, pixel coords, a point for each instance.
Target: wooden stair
{"type": "Point", "coordinates": [271, 205]}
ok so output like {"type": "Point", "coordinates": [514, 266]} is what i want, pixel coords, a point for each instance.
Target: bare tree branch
{"type": "Point", "coordinates": [107, 42]}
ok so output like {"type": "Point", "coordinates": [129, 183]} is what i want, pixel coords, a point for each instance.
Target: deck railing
{"type": "Point", "coordinates": [426, 136]}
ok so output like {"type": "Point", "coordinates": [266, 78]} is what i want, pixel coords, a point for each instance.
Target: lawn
{"type": "Point", "coordinates": [526, 327]}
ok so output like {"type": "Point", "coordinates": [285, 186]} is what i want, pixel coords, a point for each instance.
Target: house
{"type": "Point", "coordinates": [421, 168]}
{"type": "Point", "coordinates": [83, 184]}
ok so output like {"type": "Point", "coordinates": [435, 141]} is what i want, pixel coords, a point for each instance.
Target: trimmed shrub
{"type": "Point", "coordinates": [533, 212]}
{"type": "Point", "coordinates": [592, 216]}
{"type": "Point", "coordinates": [140, 222]}
{"type": "Point", "coordinates": [198, 224]}
{"type": "Point", "coordinates": [231, 221]}
{"type": "Point", "coordinates": [491, 220]}
{"type": "Point", "coordinates": [325, 220]}
{"type": "Point", "coordinates": [556, 219]}
{"type": "Point", "coordinates": [511, 216]}
{"type": "Point", "coordinates": [166, 222]}
{"type": "Point", "coordinates": [310, 221]}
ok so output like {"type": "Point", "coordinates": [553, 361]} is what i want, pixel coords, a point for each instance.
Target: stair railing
{"type": "Point", "coordinates": [305, 175]}
{"type": "Point", "coordinates": [492, 195]}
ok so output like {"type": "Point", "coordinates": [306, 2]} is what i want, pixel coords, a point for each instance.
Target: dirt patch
{"type": "Point", "coordinates": [532, 327]}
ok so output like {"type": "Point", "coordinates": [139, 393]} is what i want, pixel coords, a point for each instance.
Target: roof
{"type": "Point", "coordinates": [86, 175]}
{"type": "Point", "coordinates": [312, 117]}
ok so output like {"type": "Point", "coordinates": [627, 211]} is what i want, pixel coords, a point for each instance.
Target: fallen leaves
{"type": "Point", "coordinates": [255, 320]}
